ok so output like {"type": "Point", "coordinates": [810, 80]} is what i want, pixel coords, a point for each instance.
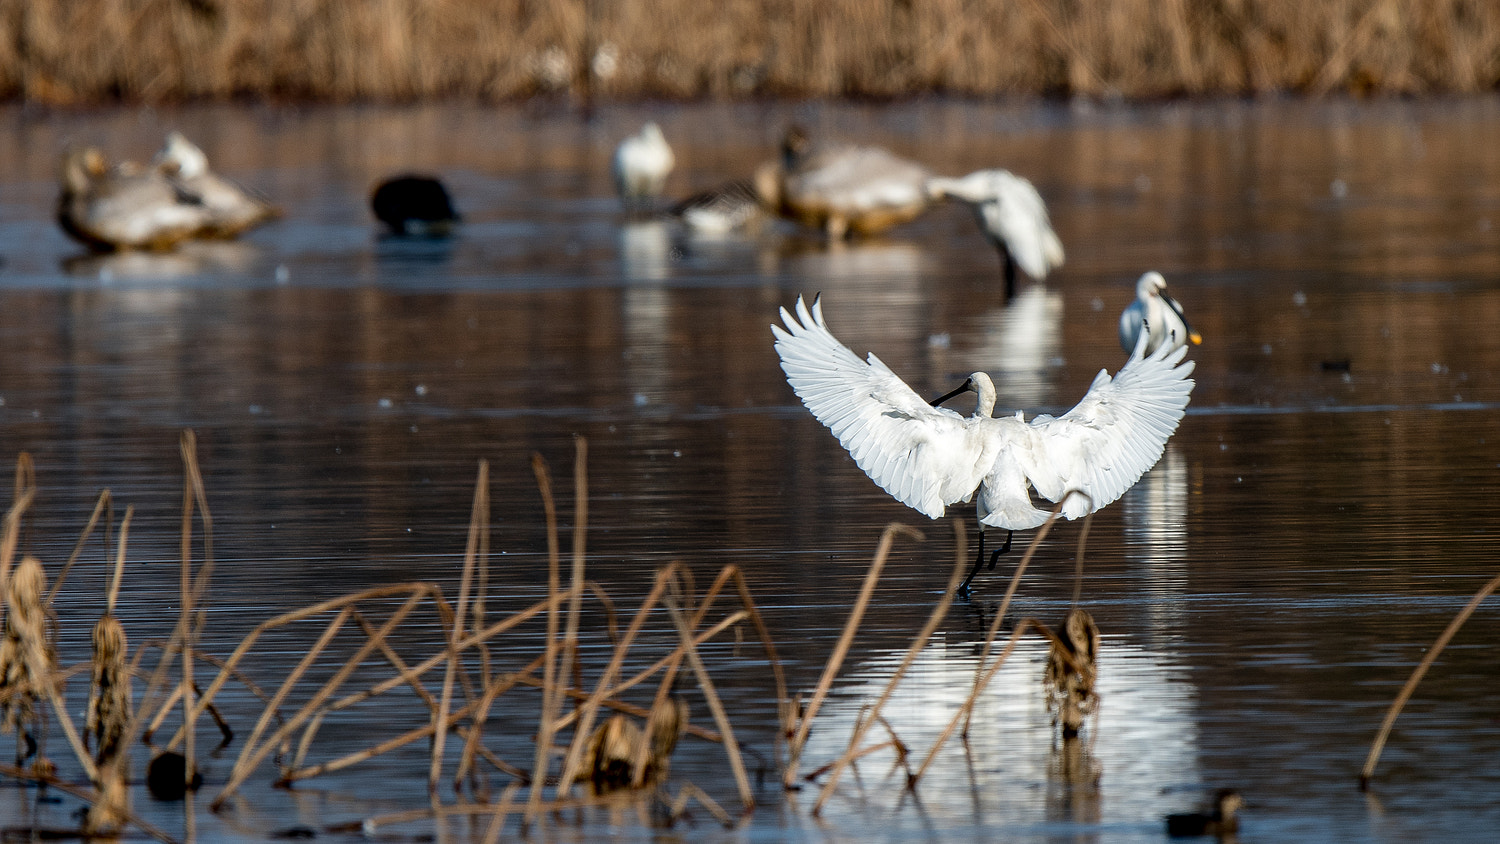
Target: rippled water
{"type": "Point", "coordinates": [1262, 593]}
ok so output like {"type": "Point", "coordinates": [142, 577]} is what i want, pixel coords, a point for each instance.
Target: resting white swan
{"type": "Point", "coordinates": [928, 457]}
{"type": "Point", "coordinates": [1158, 313]}
{"type": "Point", "coordinates": [1014, 218]}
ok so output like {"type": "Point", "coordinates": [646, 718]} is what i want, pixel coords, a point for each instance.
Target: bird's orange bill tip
{"type": "Point", "coordinates": [1196, 338]}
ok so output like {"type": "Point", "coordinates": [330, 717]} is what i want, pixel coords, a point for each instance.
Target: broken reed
{"type": "Point", "coordinates": [83, 51]}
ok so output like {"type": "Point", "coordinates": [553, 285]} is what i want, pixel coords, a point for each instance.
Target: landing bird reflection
{"type": "Point", "coordinates": [928, 457]}
{"type": "Point", "coordinates": [1160, 314]}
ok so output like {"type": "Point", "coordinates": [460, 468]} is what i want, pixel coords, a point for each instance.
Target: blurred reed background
{"type": "Point", "coordinates": [85, 51]}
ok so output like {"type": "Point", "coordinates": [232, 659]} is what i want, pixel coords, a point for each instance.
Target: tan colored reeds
{"type": "Point", "coordinates": [1416, 677]}
{"type": "Point", "coordinates": [76, 51]}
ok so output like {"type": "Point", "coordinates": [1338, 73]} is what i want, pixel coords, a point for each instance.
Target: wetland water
{"type": "Point", "coordinates": [1324, 509]}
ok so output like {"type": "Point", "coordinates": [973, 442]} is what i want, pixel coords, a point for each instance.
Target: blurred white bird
{"type": "Point", "coordinates": [641, 165]}
{"type": "Point", "coordinates": [231, 208]}
{"type": "Point", "coordinates": [1014, 218]}
{"type": "Point", "coordinates": [1161, 315]}
{"type": "Point", "coordinates": [928, 457]}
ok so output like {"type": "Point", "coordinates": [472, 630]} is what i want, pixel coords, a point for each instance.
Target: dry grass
{"type": "Point", "coordinates": [80, 51]}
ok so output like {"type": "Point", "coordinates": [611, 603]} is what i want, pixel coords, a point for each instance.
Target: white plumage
{"type": "Point", "coordinates": [929, 457]}
{"type": "Point", "coordinates": [1158, 313]}
{"type": "Point", "coordinates": [641, 165]}
{"type": "Point", "coordinates": [1012, 215]}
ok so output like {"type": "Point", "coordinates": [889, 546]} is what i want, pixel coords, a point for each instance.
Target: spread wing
{"type": "Point", "coordinates": [925, 457]}
{"type": "Point", "coordinates": [1018, 217]}
{"type": "Point", "coordinates": [1104, 444]}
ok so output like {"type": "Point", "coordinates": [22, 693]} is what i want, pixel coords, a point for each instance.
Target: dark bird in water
{"type": "Point", "coordinates": [416, 205]}
{"type": "Point", "coordinates": [1223, 820]}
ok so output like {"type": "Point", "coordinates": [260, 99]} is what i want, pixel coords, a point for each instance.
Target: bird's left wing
{"type": "Point", "coordinates": [913, 451]}
{"type": "Point", "coordinates": [1118, 431]}
{"type": "Point", "coordinates": [1019, 216]}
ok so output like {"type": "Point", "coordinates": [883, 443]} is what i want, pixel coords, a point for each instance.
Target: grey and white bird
{"type": "Point", "coordinates": [1158, 314]}
{"type": "Point", "coordinates": [928, 457]}
{"type": "Point", "coordinates": [842, 189]}
{"type": "Point", "coordinates": [126, 206]}
{"type": "Point", "coordinates": [720, 210]}
{"type": "Point", "coordinates": [231, 209]}
{"type": "Point", "coordinates": [1012, 215]}
{"type": "Point", "coordinates": [641, 166]}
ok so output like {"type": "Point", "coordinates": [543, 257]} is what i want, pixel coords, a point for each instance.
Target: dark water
{"type": "Point", "coordinates": [1263, 593]}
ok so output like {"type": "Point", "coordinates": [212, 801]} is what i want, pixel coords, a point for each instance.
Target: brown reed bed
{"type": "Point", "coordinates": [603, 738]}
{"type": "Point", "coordinates": [89, 51]}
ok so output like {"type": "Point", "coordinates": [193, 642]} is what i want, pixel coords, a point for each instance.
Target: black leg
{"type": "Point", "coordinates": [963, 588]}
{"type": "Point", "coordinates": [1010, 274]}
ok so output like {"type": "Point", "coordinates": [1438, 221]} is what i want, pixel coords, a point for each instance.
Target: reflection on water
{"type": "Point", "coordinates": [1263, 591]}
{"type": "Point", "coordinates": [1022, 347]}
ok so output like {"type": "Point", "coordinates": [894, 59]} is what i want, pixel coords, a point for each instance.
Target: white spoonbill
{"type": "Point", "coordinates": [641, 165]}
{"type": "Point", "coordinates": [1160, 314]}
{"type": "Point", "coordinates": [1014, 218]}
{"type": "Point", "coordinates": [928, 457]}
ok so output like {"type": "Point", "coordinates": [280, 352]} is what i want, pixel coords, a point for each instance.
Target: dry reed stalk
{"type": "Point", "coordinates": [440, 718]}
{"type": "Point", "coordinates": [580, 526]}
{"type": "Point", "coordinates": [297, 772]}
{"type": "Point", "coordinates": [646, 673]}
{"type": "Point", "coordinates": [669, 673]}
{"type": "Point", "coordinates": [252, 755]}
{"type": "Point", "coordinates": [230, 666]}
{"type": "Point", "coordinates": [689, 790]}
{"type": "Point", "coordinates": [705, 685]}
{"type": "Point", "coordinates": [550, 698]}
{"type": "Point", "coordinates": [194, 598]}
{"type": "Point", "coordinates": [585, 713]}
{"type": "Point", "coordinates": [502, 808]}
{"type": "Point", "coordinates": [1416, 677]}
{"type": "Point", "coordinates": [494, 687]}
{"type": "Point", "coordinates": [841, 649]}
{"type": "Point", "coordinates": [861, 725]}
{"type": "Point", "coordinates": [104, 503]}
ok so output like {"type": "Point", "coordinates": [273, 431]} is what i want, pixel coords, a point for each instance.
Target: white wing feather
{"type": "Point", "coordinates": [913, 451]}
{"type": "Point", "coordinates": [1118, 431]}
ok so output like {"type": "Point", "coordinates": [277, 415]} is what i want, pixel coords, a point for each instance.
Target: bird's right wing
{"type": "Point", "coordinates": [913, 451]}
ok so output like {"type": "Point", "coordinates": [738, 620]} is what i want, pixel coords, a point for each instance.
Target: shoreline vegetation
{"type": "Point", "coordinates": [83, 52]}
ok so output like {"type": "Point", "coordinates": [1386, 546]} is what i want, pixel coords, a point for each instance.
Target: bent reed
{"type": "Point", "coordinates": [91, 51]}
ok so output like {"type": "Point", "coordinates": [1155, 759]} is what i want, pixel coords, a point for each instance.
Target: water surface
{"type": "Point", "coordinates": [1319, 516]}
